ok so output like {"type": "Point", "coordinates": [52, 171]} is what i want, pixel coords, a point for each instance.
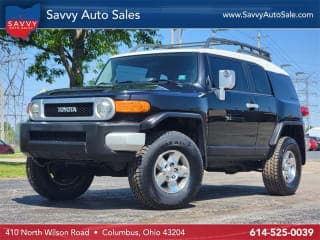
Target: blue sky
{"type": "Point", "coordinates": [298, 47]}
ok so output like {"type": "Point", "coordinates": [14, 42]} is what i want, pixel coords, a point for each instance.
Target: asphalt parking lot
{"type": "Point", "coordinates": [238, 198]}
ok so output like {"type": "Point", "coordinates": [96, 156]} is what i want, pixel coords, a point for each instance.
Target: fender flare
{"type": "Point", "coordinates": [152, 121]}
{"type": "Point", "coordinates": [277, 133]}
{"type": "Point", "coordinates": [278, 129]}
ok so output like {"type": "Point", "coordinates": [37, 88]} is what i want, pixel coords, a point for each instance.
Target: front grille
{"type": "Point", "coordinates": [58, 136]}
{"type": "Point", "coordinates": [68, 109]}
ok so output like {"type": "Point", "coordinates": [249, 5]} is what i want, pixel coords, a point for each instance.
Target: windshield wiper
{"type": "Point", "coordinates": [161, 80]}
{"type": "Point", "coordinates": [149, 81]}
{"type": "Point", "coordinates": [127, 81]}
{"type": "Point", "coordinates": [103, 84]}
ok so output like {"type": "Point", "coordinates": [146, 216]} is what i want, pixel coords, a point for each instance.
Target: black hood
{"type": "Point", "coordinates": [125, 88]}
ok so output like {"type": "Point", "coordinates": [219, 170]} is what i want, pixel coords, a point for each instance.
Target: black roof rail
{"type": "Point", "coordinates": [244, 48]}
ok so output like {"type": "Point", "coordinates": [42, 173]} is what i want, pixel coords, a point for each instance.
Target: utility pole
{"type": "Point", "coordinates": [259, 40]}
{"type": "Point", "coordinates": [12, 74]}
{"type": "Point", "coordinates": [307, 102]}
{"type": "Point", "coordinates": [180, 30]}
{"type": "Point", "coordinates": [306, 92]}
{"type": "Point", "coordinates": [172, 33]}
{"type": "Point", "coordinates": [1, 113]}
{"type": "Point", "coordinates": [172, 36]}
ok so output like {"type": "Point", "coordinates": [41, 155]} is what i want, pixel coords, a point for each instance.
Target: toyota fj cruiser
{"type": "Point", "coordinates": [162, 117]}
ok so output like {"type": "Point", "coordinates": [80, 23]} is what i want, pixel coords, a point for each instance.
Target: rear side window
{"type": "Point", "coordinates": [282, 86]}
{"type": "Point", "coordinates": [260, 79]}
{"type": "Point", "coordinates": [217, 63]}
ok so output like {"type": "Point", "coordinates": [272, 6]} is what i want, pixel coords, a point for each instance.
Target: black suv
{"type": "Point", "coordinates": [162, 117]}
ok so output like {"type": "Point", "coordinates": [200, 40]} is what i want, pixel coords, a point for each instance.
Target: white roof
{"type": "Point", "coordinates": [268, 66]}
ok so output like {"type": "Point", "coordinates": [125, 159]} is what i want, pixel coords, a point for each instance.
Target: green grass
{"type": "Point", "coordinates": [12, 170]}
{"type": "Point", "coordinates": [12, 156]}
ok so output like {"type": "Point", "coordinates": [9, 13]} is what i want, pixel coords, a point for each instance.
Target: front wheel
{"type": "Point", "coordinates": [57, 181]}
{"type": "Point", "coordinates": [167, 173]}
{"type": "Point", "coordinates": [282, 172]}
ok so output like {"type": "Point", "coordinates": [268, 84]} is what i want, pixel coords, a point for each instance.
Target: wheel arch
{"type": "Point", "coordinates": [190, 124]}
{"type": "Point", "coordinates": [293, 129]}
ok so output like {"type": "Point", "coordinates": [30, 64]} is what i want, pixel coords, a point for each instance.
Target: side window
{"type": "Point", "coordinates": [260, 79]}
{"type": "Point", "coordinates": [1, 143]}
{"type": "Point", "coordinates": [282, 86]}
{"type": "Point", "coordinates": [217, 63]}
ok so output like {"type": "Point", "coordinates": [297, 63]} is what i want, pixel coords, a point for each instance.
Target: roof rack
{"type": "Point", "coordinates": [244, 48]}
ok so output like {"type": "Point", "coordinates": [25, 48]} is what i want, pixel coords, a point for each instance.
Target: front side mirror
{"type": "Point", "coordinates": [227, 80]}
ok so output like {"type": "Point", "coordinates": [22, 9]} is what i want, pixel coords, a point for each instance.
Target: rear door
{"type": "Point", "coordinates": [266, 111]}
{"type": "Point", "coordinates": [232, 123]}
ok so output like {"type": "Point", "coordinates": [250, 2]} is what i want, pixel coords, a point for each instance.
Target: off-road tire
{"type": "Point", "coordinates": [272, 173]}
{"type": "Point", "coordinates": [43, 184]}
{"type": "Point", "coordinates": [141, 177]}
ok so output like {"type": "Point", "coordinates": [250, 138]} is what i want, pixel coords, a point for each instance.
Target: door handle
{"type": "Point", "coordinates": [252, 106]}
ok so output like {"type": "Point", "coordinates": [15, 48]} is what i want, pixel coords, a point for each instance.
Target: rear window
{"type": "Point", "coordinates": [282, 86]}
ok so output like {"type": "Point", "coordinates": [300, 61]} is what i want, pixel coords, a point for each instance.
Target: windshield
{"type": "Point", "coordinates": [179, 67]}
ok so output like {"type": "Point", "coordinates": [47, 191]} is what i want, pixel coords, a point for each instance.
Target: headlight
{"type": "Point", "coordinates": [34, 110]}
{"type": "Point", "coordinates": [105, 108]}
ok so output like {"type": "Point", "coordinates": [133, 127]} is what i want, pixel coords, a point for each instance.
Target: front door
{"type": "Point", "coordinates": [232, 123]}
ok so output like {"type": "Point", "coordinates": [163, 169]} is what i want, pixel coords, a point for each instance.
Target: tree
{"type": "Point", "coordinates": [73, 50]}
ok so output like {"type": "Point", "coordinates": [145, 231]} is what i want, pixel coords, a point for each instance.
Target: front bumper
{"type": "Point", "coordinates": [97, 141]}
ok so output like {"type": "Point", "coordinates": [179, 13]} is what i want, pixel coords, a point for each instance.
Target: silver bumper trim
{"type": "Point", "coordinates": [125, 141]}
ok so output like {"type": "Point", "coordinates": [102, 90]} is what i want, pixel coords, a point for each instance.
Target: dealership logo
{"type": "Point", "coordinates": [66, 109]}
{"type": "Point", "coordinates": [20, 22]}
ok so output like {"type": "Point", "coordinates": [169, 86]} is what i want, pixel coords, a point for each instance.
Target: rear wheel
{"type": "Point", "coordinates": [56, 181]}
{"type": "Point", "coordinates": [167, 173]}
{"type": "Point", "coordinates": [282, 172]}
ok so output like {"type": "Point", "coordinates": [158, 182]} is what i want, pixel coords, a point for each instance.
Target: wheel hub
{"type": "Point", "coordinates": [171, 171]}
{"type": "Point", "coordinates": [289, 167]}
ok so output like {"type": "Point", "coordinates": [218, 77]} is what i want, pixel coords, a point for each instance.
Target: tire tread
{"type": "Point", "coordinates": [272, 176]}
{"type": "Point", "coordinates": [38, 183]}
{"type": "Point", "coordinates": [136, 176]}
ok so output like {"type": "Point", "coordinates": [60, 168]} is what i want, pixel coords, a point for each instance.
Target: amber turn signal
{"type": "Point", "coordinates": [132, 106]}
